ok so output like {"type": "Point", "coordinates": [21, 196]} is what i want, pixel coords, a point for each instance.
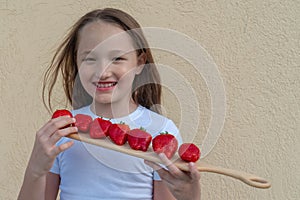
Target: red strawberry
{"type": "Point", "coordinates": [63, 112]}
{"type": "Point", "coordinates": [99, 128]}
{"type": "Point", "coordinates": [139, 139]}
{"type": "Point", "coordinates": [83, 122]}
{"type": "Point", "coordinates": [165, 143]}
{"type": "Point", "coordinates": [189, 152]}
{"type": "Point", "coordinates": [118, 133]}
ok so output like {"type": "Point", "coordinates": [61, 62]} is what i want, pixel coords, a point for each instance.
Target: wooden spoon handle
{"type": "Point", "coordinates": [249, 179]}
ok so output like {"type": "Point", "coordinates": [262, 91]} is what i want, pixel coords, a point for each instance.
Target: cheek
{"type": "Point", "coordinates": [85, 72]}
{"type": "Point", "coordinates": [127, 75]}
{"type": "Point", "coordinates": [85, 75]}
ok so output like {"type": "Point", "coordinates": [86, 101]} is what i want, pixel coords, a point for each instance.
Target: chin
{"type": "Point", "coordinates": [103, 99]}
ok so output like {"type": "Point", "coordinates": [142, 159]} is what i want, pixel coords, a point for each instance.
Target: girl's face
{"type": "Point", "coordinates": [107, 63]}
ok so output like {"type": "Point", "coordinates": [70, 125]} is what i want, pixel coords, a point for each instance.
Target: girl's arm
{"type": "Point", "coordinates": [37, 180]}
{"type": "Point", "coordinates": [37, 188]}
{"type": "Point", "coordinates": [182, 185]}
{"type": "Point", "coordinates": [33, 187]}
{"type": "Point", "coordinates": [52, 186]}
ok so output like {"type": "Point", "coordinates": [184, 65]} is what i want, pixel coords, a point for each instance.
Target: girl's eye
{"type": "Point", "coordinates": [118, 59]}
{"type": "Point", "coordinates": [89, 59]}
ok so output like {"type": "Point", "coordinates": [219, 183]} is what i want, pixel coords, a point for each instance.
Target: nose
{"type": "Point", "coordinates": [103, 70]}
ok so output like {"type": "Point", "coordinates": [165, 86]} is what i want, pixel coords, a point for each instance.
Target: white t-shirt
{"type": "Point", "coordinates": [89, 172]}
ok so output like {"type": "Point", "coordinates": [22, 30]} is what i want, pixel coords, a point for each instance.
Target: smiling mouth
{"type": "Point", "coordinates": [105, 85]}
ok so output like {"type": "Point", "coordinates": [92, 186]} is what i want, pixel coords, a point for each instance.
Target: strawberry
{"type": "Point", "coordinates": [99, 128]}
{"type": "Point", "coordinates": [118, 133]}
{"type": "Point", "coordinates": [63, 112]}
{"type": "Point", "coordinates": [139, 139]}
{"type": "Point", "coordinates": [165, 143]}
{"type": "Point", "coordinates": [83, 122]}
{"type": "Point", "coordinates": [189, 152]}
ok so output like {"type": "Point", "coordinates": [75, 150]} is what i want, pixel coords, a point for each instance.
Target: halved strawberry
{"type": "Point", "coordinates": [62, 112]}
{"type": "Point", "coordinates": [118, 133]}
{"type": "Point", "coordinates": [83, 122]}
{"type": "Point", "coordinates": [139, 139]}
{"type": "Point", "coordinates": [189, 152]}
{"type": "Point", "coordinates": [165, 143]}
{"type": "Point", "coordinates": [99, 128]}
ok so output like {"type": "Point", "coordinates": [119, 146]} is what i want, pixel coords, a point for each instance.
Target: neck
{"type": "Point", "coordinates": [110, 110]}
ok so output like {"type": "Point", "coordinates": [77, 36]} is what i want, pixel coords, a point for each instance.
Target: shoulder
{"type": "Point", "coordinates": [156, 123]}
{"type": "Point", "coordinates": [147, 116]}
{"type": "Point", "coordinates": [145, 112]}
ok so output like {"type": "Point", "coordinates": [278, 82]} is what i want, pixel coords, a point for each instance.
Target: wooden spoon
{"type": "Point", "coordinates": [150, 155]}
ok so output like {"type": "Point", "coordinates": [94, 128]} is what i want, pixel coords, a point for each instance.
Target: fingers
{"type": "Point", "coordinates": [52, 132]}
{"type": "Point", "coordinates": [163, 173]}
{"type": "Point", "coordinates": [55, 137]}
{"type": "Point", "coordinates": [194, 173]}
{"type": "Point", "coordinates": [183, 185]}
{"type": "Point", "coordinates": [175, 171]}
{"type": "Point", "coordinates": [45, 147]}
{"type": "Point", "coordinates": [55, 124]}
{"type": "Point", "coordinates": [62, 147]}
{"type": "Point", "coordinates": [60, 123]}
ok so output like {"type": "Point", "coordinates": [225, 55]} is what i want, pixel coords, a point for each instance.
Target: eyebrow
{"type": "Point", "coordinates": [110, 52]}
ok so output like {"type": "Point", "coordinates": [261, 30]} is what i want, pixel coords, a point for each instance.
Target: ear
{"type": "Point", "coordinates": [141, 63]}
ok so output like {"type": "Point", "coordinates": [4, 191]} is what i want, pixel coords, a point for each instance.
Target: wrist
{"type": "Point", "coordinates": [33, 173]}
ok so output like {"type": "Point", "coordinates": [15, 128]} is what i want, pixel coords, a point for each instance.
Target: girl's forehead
{"type": "Point", "coordinates": [103, 36]}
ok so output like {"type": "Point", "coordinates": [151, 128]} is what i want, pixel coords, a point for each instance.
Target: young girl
{"type": "Point", "coordinates": [115, 78]}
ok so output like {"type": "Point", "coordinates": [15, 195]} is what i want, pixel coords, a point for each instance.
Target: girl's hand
{"type": "Point", "coordinates": [45, 151]}
{"type": "Point", "coordinates": [183, 185]}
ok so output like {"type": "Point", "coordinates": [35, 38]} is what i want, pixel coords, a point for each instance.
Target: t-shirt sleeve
{"type": "Point", "coordinates": [156, 176]}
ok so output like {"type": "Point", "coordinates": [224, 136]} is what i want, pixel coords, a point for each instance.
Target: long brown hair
{"type": "Point", "coordinates": [64, 62]}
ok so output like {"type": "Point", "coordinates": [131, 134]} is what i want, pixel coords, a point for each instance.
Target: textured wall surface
{"type": "Point", "coordinates": [255, 45]}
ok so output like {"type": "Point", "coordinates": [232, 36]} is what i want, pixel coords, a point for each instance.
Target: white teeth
{"type": "Point", "coordinates": [104, 85]}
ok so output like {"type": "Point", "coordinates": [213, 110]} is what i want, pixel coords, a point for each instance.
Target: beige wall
{"type": "Point", "coordinates": [255, 44]}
